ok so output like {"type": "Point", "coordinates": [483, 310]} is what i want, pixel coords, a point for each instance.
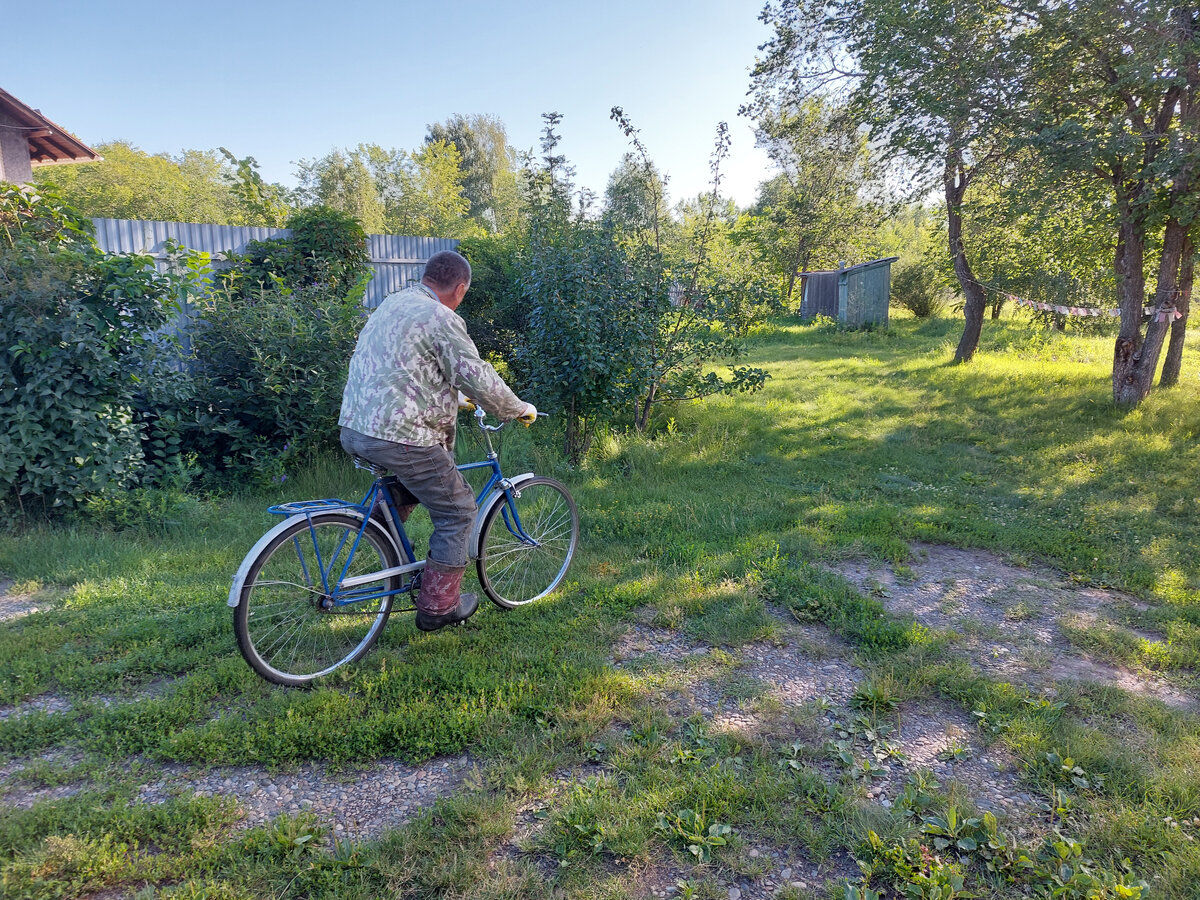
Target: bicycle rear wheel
{"type": "Point", "coordinates": [514, 571]}
{"type": "Point", "coordinates": [286, 627]}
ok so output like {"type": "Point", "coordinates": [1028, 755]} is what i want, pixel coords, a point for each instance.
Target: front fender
{"type": "Point", "coordinates": [488, 502]}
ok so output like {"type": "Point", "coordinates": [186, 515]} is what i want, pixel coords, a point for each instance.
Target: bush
{"type": "Point", "coordinates": [494, 307]}
{"type": "Point", "coordinates": [327, 248]}
{"type": "Point", "coordinates": [269, 375]}
{"type": "Point", "coordinates": [915, 288]}
{"type": "Point", "coordinates": [270, 344]}
{"type": "Point", "coordinates": [76, 356]}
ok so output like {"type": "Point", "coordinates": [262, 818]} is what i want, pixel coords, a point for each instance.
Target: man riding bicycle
{"type": "Point", "coordinates": [399, 411]}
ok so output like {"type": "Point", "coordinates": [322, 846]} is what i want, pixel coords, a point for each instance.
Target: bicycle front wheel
{"type": "Point", "coordinates": [527, 542]}
{"type": "Point", "coordinates": [287, 626]}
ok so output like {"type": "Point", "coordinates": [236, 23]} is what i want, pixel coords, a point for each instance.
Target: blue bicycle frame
{"type": "Point", "coordinates": [345, 591]}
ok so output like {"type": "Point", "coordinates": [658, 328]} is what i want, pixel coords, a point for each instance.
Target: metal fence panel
{"type": "Point", "coordinates": [397, 260]}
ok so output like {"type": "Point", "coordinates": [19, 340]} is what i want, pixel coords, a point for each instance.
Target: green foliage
{"type": "Point", "coordinates": [76, 353]}
{"type": "Point", "coordinates": [269, 373]}
{"type": "Point", "coordinates": [876, 696]}
{"type": "Point", "coordinates": [589, 327]}
{"type": "Point", "coordinates": [326, 250]}
{"type": "Point", "coordinates": [915, 288]}
{"type": "Point", "coordinates": [818, 211]}
{"type": "Point", "coordinates": [494, 307]}
{"type": "Point", "coordinates": [695, 831]}
{"type": "Point", "coordinates": [918, 873]}
{"type": "Point", "coordinates": [195, 186]}
{"type": "Point", "coordinates": [392, 191]}
{"type": "Point", "coordinates": [270, 345]}
{"type": "Point", "coordinates": [262, 203]}
{"type": "Point", "coordinates": [630, 310]}
{"type": "Point", "coordinates": [698, 313]}
{"type": "Point", "coordinates": [1057, 869]}
{"type": "Point", "coordinates": [488, 166]}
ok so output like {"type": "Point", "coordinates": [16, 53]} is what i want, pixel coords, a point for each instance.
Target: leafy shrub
{"type": "Point", "coordinates": [619, 319]}
{"type": "Point", "coordinates": [915, 288]}
{"type": "Point", "coordinates": [269, 373]}
{"type": "Point", "coordinates": [76, 354]}
{"type": "Point", "coordinates": [327, 248]}
{"type": "Point", "coordinates": [270, 345]}
{"type": "Point", "coordinates": [494, 306]}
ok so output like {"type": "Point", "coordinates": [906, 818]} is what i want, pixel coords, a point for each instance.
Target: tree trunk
{"type": "Point", "coordinates": [1174, 360]}
{"type": "Point", "coordinates": [1136, 360]}
{"type": "Point", "coordinates": [795, 269]}
{"type": "Point", "coordinates": [955, 180]}
{"type": "Point", "coordinates": [1185, 184]}
{"type": "Point", "coordinates": [643, 417]}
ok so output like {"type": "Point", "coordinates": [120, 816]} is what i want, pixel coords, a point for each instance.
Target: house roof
{"type": "Point", "coordinates": [48, 142]}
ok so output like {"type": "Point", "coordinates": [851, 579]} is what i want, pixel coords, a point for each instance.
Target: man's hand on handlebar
{"type": "Point", "coordinates": [529, 416]}
{"type": "Point", "coordinates": [465, 402]}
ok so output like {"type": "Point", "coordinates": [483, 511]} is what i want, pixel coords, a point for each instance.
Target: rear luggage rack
{"type": "Point", "coordinates": [296, 507]}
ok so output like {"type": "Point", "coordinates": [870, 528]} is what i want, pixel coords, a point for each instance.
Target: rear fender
{"type": "Point", "coordinates": [239, 579]}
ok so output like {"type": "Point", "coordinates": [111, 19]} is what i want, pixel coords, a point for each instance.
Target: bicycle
{"type": "Point", "coordinates": [314, 593]}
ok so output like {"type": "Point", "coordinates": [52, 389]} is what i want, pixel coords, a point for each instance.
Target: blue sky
{"type": "Point", "coordinates": [285, 81]}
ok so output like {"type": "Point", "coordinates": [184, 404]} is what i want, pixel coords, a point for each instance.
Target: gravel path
{"type": "Point", "coordinates": [361, 804]}
{"type": "Point", "coordinates": [1009, 619]}
{"type": "Point", "coordinates": [14, 605]}
{"type": "Point", "coordinates": [810, 667]}
{"type": "Point", "coordinates": [358, 805]}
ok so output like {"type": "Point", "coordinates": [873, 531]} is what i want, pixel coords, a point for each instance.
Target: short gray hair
{"type": "Point", "coordinates": [446, 269]}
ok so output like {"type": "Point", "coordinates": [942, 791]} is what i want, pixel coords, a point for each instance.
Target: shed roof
{"type": "Point", "coordinates": [888, 260]}
{"type": "Point", "coordinates": [48, 142]}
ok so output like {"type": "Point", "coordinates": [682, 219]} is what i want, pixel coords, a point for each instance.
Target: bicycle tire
{"type": "Point", "coordinates": [513, 573]}
{"type": "Point", "coordinates": [281, 630]}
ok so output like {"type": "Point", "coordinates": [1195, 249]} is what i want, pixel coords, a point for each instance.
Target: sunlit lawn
{"type": "Point", "coordinates": [860, 444]}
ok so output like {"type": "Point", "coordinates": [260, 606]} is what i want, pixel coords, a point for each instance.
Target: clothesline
{"type": "Point", "coordinates": [1160, 315]}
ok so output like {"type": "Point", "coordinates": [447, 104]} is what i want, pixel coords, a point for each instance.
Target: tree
{"type": "Point", "coordinates": [261, 203]}
{"type": "Point", "coordinates": [347, 181]}
{"type": "Point", "coordinates": [931, 79]}
{"type": "Point", "coordinates": [816, 210]}
{"type": "Point", "coordinates": [1115, 99]}
{"type": "Point", "coordinates": [430, 199]}
{"type": "Point", "coordinates": [132, 184]}
{"type": "Point", "coordinates": [392, 191]}
{"type": "Point", "coordinates": [636, 195]}
{"type": "Point", "coordinates": [697, 313]}
{"type": "Point", "coordinates": [589, 331]}
{"type": "Point", "coordinates": [488, 163]}
{"type": "Point", "coordinates": [1042, 237]}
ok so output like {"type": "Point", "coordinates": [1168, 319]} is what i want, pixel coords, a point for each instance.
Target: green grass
{"type": "Point", "coordinates": [861, 443]}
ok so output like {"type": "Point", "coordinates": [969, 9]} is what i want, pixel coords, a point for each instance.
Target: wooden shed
{"type": "Point", "coordinates": [854, 296]}
{"type": "Point", "coordinates": [28, 139]}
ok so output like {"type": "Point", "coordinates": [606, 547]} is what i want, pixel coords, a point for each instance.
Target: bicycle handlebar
{"type": "Point", "coordinates": [480, 415]}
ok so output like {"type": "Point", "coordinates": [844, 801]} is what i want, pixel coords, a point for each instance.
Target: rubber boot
{"type": "Point", "coordinates": [439, 603]}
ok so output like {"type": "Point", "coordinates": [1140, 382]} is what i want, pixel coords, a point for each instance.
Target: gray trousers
{"type": "Point", "coordinates": [429, 475]}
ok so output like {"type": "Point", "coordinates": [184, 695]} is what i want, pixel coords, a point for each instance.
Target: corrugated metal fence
{"type": "Point", "coordinates": [396, 260]}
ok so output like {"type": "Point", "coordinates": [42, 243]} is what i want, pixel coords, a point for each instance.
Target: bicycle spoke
{"type": "Point", "coordinates": [284, 630]}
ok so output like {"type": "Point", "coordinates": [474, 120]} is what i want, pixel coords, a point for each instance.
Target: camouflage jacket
{"type": "Point", "coordinates": [412, 358]}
